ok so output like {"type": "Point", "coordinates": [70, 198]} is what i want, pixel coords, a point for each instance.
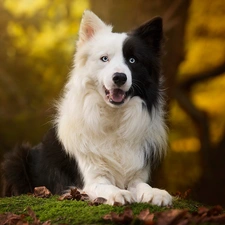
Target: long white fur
{"type": "Point", "coordinates": [109, 142]}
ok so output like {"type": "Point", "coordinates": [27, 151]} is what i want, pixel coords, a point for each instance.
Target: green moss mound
{"type": "Point", "coordinates": [78, 212]}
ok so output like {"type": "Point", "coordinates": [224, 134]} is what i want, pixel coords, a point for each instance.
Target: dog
{"type": "Point", "coordinates": [109, 128]}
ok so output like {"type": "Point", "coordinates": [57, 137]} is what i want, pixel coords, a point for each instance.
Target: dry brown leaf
{"type": "Point", "coordinates": [42, 192]}
{"type": "Point", "coordinates": [123, 218]}
{"type": "Point", "coordinates": [184, 195]}
{"type": "Point", "coordinates": [74, 195]}
{"type": "Point", "coordinates": [215, 211]}
{"type": "Point", "coordinates": [146, 217]}
{"type": "Point", "coordinates": [213, 215]}
{"type": "Point", "coordinates": [97, 201]}
{"type": "Point", "coordinates": [14, 219]}
{"type": "Point", "coordinates": [11, 218]}
{"type": "Point", "coordinates": [172, 217]}
{"type": "Point", "coordinates": [79, 196]}
{"type": "Point", "coordinates": [66, 196]}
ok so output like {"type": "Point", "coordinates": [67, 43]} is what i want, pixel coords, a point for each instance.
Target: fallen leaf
{"type": "Point", "coordinates": [36, 221]}
{"type": "Point", "coordinates": [66, 196]}
{"type": "Point", "coordinates": [11, 218]}
{"type": "Point", "coordinates": [146, 217]}
{"type": "Point", "coordinates": [214, 211]}
{"type": "Point", "coordinates": [123, 218]}
{"type": "Point", "coordinates": [74, 194]}
{"type": "Point", "coordinates": [202, 211]}
{"type": "Point", "coordinates": [172, 217]}
{"type": "Point", "coordinates": [32, 214]}
{"type": "Point", "coordinates": [184, 195]}
{"type": "Point", "coordinates": [14, 219]}
{"type": "Point", "coordinates": [205, 215]}
{"type": "Point", "coordinates": [98, 201]}
{"type": "Point", "coordinates": [214, 219]}
{"type": "Point", "coordinates": [42, 192]}
{"type": "Point", "coordinates": [47, 223]}
{"type": "Point", "coordinates": [79, 196]}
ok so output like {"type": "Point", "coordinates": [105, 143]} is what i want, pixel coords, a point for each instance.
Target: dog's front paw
{"type": "Point", "coordinates": [155, 196]}
{"type": "Point", "coordinates": [121, 197]}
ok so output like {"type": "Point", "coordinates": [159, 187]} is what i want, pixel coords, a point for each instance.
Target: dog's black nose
{"type": "Point", "coordinates": [119, 79]}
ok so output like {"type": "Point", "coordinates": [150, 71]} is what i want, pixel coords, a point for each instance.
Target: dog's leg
{"type": "Point", "coordinates": [145, 193]}
{"type": "Point", "coordinates": [103, 188]}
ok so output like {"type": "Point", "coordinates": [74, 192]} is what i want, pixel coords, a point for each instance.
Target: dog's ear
{"type": "Point", "coordinates": [90, 24]}
{"type": "Point", "coordinates": [152, 32]}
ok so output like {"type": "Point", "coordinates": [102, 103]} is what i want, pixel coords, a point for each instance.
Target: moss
{"type": "Point", "coordinates": [186, 204]}
{"type": "Point", "coordinates": [72, 212]}
{"type": "Point", "coordinates": [77, 212]}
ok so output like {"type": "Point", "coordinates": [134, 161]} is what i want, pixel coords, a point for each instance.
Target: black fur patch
{"type": "Point", "coordinates": [46, 164]}
{"type": "Point", "coordinates": [15, 171]}
{"type": "Point", "coordinates": [144, 45]}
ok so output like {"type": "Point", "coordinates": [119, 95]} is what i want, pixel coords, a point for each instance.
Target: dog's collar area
{"type": "Point", "coordinates": [116, 96]}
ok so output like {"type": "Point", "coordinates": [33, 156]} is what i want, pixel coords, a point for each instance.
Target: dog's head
{"type": "Point", "coordinates": [122, 65]}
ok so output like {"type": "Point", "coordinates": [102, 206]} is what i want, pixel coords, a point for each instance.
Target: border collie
{"type": "Point", "coordinates": [109, 129]}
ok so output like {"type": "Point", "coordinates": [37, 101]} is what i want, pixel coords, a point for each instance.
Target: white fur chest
{"type": "Point", "coordinates": [116, 144]}
{"type": "Point", "coordinates": [117, 161]}
{"type": "Point", "coordinates": [112, 142]}
{"type": "Point", "coordinates": [101, 138]}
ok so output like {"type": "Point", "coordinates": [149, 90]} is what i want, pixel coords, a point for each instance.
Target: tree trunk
{"type": "Point", "coordinates": [210, 188]}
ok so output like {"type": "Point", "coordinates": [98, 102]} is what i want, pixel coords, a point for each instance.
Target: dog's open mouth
{"type": "Point", "coordinates": [116, 96]}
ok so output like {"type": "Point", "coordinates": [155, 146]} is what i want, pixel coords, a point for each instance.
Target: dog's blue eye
{"type": "Point", "coordinates": [104, 58]}
{"type": "Point", "coordinates": [131, 60]}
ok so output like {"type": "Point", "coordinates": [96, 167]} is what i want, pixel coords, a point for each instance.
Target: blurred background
{"type": "Point", "coordinates": [37, 43]}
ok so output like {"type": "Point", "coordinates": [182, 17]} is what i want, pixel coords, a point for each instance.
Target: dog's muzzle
{"type": "Point", "coordinates": [116, 96]}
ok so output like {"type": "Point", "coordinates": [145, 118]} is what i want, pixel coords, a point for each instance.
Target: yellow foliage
{"type": "Point", "coordinates": [210, 97]}
{"type": "Point", "coordinates": [16, 30]}
{"type": "Point", "coordinates": [54, 31]}
{"type": "Point", "coordinates": [24, 7]}
{"type": "Point", "coordinates": [205, 36]}
{"type": "Point", "coordinates": [202, 54]}
{"type": "Point", "coordinates": [29, 7]}
{"type": "Point", "coordinates": [190, 144]}
{"type": "Point", "coordinates": [79, 6]}
{"type": "Point", "coordinates": [205, 49]}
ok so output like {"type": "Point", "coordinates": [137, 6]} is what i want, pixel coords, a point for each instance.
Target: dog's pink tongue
{"type": "Point", "coordinates": [117, 95]}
